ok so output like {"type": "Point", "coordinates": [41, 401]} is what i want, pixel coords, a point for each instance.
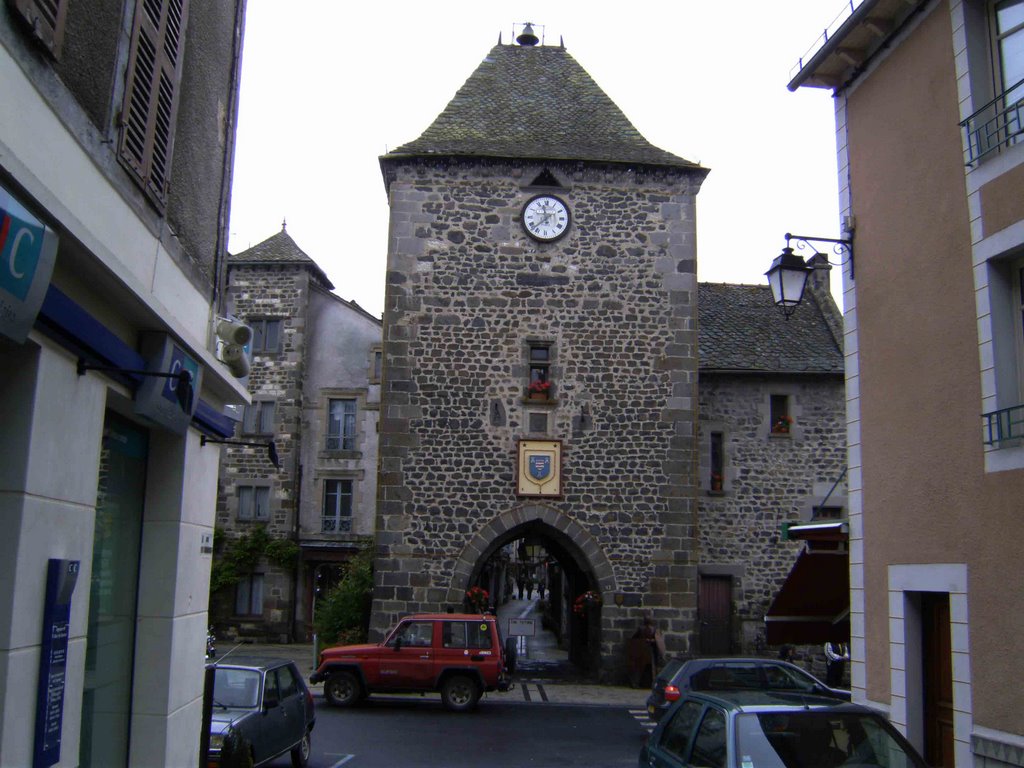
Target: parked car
{"type": "Point", "coordinates": [729, 674]}
{"type": "Point", "coordinates": [457, 655]}
{"type": "Point", "coordinates": [774, 729]}
{"type": "Point", "coordinates": [266, 705]}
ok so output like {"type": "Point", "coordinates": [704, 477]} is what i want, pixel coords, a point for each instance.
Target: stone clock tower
{"type": "Point", "coordinates": [540, 374]}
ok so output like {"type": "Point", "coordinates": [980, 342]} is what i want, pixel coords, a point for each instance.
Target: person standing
{"type": "Point", "coordinates": [650, 633]}
{"type": "Point", "coordinates": [836, 656]}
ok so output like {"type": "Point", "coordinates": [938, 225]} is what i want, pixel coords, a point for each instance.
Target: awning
{"type": "Point", "coordinates": [836, 530]}
{"type": "Point", "coordinates": [814, 602]}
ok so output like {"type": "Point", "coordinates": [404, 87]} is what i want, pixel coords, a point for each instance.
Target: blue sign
{"type": "Point", "coordinates": [157, 397]}
{"type": "Point", "coordinates": [28, 251]}
{"type": "Point", "coordinates": [179, 361]}
{"type": "Point", "coordinates": [61, 576]}
{"type": "Point", "coordinates": [540, 466]}
{"type": "Point", "coordinates": [21, 245]}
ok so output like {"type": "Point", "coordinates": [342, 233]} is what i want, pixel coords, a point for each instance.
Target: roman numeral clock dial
{"type": "Point", "coordinates": [545, 218]}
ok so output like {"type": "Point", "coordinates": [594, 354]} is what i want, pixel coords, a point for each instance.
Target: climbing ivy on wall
{"type": "Point", "coordinates": [239, 557]}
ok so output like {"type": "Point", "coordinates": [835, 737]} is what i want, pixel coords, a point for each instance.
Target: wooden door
{"type": "Point", "coordinates": [937, 657]}
{"type": "Point", "coordinates": [714, 606]}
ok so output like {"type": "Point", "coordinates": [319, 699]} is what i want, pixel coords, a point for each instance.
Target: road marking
{"type": "Point", "coordinates": [540, 692]}
{"type": "Point", "coordinates": [344, 759]}
{"type": "Point", "coordinates": [640, 715]}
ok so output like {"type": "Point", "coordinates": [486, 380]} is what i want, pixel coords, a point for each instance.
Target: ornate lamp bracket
{"type": "Point", "coordinates": [841, 247]}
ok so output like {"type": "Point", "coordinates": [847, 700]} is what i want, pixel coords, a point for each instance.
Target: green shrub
{"type": "Point", "coordinates": [343, 614]}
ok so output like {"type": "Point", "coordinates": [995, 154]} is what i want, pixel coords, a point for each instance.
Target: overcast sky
{"type": "Point", "coordinates": [328, 87]}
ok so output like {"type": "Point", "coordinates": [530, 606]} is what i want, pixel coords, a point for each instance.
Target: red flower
{"type": "Point", "coordinates": [539, 386]}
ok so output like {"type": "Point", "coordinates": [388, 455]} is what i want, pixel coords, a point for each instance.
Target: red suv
{"type": "Point", "coordinates": [459, 655]}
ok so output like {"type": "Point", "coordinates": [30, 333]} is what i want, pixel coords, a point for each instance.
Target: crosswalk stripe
{"type": "Point", "coordinates": [640, 715]}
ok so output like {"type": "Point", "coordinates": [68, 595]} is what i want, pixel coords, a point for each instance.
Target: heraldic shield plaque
{"type": "Point", "coordinates": [540, 468]}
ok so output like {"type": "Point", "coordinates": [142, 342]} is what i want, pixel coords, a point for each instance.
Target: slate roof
{"type": "Point", "coordinates": [740, 330]}
{"type": "Point", "coordinates": [279, 249]}
{"type": "Point", "coordinates": [538, 103]}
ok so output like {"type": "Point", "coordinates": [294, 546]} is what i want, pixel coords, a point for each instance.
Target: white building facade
{"type": "Point", "coordinates": [113, 156]}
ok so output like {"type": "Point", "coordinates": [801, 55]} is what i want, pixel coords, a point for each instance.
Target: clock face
{"type": "Point", "coordinates": [546, 218]}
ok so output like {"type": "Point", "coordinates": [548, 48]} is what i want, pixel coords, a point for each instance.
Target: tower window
{"type": "Point", "coordinates": [539, 386]}
{"type": "Point", "coordinates": [717, 461]}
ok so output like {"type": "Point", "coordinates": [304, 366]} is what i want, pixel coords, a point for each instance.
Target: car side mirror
{"type": "Point", "coordinates": [269, 702]}
{"type": "Point", "coordinates": [398, 644]}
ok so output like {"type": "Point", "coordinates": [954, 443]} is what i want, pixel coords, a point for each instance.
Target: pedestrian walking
{"type": "Point", "coordinates": [836, 656]}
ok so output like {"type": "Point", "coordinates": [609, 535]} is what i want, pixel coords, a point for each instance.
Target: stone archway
{"type": "Point", "coordinates": [582, 562]}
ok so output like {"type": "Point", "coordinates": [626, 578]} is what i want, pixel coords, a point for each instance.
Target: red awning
{"type": "Point", "coordinates": [814, 602]}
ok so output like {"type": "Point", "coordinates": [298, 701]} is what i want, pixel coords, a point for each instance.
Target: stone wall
{"type": "Point", "coordinates": [467, 293]}
{"type": "Point", "coordinates": [769, 479]}
{"type": "Point", "coordinates": [267, 292]}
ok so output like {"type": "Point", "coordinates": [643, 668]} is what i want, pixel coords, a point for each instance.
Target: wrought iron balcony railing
{"type": "Point", "coordinates": [1004, 424]}
{"type": "Point", "coordinates": [997, 124]}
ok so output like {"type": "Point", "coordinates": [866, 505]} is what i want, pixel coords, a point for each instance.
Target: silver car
{"type": "Point", "coordinates": [261, 706]}
{"type": "Point", "coordinates": [769, 729]}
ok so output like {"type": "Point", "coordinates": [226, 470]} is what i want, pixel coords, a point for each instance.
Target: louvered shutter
{"type": "Point", "coordinates": [46, 18]}
{"type": "Point", "coordinates": [151, 92]}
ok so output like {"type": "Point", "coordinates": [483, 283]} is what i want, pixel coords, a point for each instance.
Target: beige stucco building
{"type": "Point", "coordinates": [931, 182]}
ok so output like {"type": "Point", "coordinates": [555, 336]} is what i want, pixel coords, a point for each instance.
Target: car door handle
{"type": "Point", "coordinates": [425, 656]}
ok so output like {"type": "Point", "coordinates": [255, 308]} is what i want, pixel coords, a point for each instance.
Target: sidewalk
{"type": "Point", "coordinates": [543, 673]}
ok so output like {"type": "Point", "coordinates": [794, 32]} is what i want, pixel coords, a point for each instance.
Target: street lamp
{"type": "Point", "coordinates": [788, 274]}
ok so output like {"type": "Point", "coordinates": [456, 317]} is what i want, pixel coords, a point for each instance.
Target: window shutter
{"type": "Point", "coordinates": [151, 92]}
{"type": "Point", "coordinates": [46, 18]}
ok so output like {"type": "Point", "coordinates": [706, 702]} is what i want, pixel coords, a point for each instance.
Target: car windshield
{"type": "Point", "coordinates": [239, 688]}
{"type": "Point", "coordinates": [814, 739]}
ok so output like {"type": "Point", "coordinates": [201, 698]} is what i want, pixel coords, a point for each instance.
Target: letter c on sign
{"type": "Point", "coordinates": [14, 251]}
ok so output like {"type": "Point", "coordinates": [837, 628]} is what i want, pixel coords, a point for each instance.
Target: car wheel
{"type": "Point", "coordinates": [460, 693]}
{"type": "Point", "coordinates": [342, 689]}
{"type": "Point", "coordinates": [300, 752]}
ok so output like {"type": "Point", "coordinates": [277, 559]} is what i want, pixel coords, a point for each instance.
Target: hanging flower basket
{"type": "Point", "coordinates": [586, 601]}
{"type": "Point", "coordinates": [478, 599]}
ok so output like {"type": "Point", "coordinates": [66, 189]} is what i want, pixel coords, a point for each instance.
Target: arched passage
{"type": "Point", "coordinates": [579, 562]}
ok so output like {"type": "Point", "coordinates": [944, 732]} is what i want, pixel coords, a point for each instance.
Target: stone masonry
{"type": "Point", "coordinates": [272, 293]}
{"type": "Point", "coordinates": [769, 479]}
{"type": "Point", "coordinates": [467, 292]}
